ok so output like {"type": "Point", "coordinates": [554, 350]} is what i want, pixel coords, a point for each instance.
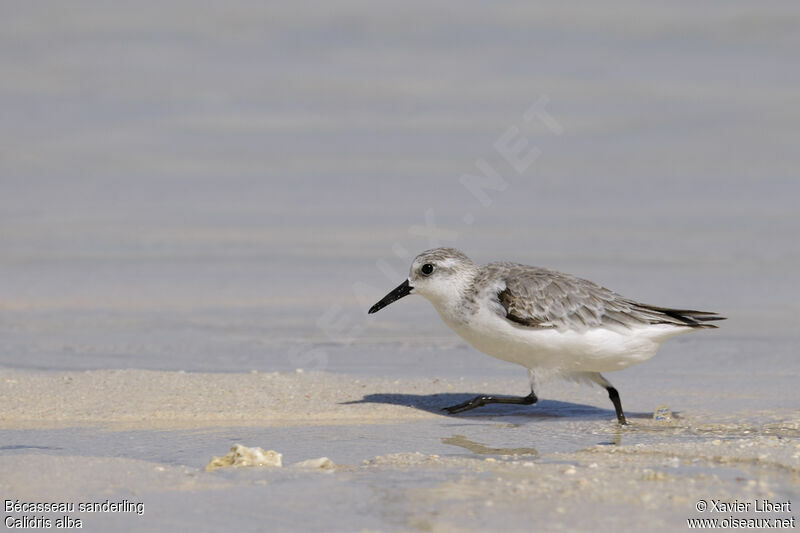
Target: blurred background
{"type": "Point", "coordinates": [229, 186]}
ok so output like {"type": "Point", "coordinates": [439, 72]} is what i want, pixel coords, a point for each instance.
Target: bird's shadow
{"type": "Point", "coordinates": [544, 409]}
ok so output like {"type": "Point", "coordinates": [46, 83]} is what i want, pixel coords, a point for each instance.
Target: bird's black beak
{"type": "Point", "coordinates": [404, 289]}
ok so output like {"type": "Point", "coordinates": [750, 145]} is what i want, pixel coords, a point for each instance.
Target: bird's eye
{"type": "Point", "coordinates": [427, 269]}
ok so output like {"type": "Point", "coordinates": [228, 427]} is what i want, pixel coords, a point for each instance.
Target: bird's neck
{"type": "Point", "coordinates": [453, 304]}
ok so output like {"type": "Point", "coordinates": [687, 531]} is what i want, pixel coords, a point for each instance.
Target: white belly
{"type": "Point", "coordinates": [590, 350]}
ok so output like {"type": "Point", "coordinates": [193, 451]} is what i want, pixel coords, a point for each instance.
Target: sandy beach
{"type": "Point", "coordinates": [144, 437]}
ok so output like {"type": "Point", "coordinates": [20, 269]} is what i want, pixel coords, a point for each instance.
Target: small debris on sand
{"type": "Point", "coordinates": [244, 456]}
{"type": "Point", "coordinates": [662, 414]}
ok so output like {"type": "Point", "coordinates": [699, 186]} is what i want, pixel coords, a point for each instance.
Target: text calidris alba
{"type": "Point", "coordinates": [544, 320]}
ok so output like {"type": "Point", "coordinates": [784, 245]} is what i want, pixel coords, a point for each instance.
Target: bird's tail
{"type": "Point", "coordinates": [682, 317]}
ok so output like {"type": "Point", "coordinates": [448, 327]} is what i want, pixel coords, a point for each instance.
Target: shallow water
{"type": "Point", "coordinates": [378, 483]}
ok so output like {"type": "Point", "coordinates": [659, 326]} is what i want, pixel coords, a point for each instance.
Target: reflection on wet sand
{"type": "Point", "coordinates": [476, 447]}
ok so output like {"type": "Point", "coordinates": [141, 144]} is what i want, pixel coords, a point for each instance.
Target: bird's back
{"type": "Point", "coordinates": [542, 298]}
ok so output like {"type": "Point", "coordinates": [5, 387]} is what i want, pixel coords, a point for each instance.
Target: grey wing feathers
{"type": "Point", "coordinates": [540, 298]}
{"type": "Point", "coordinates": [686, 316]}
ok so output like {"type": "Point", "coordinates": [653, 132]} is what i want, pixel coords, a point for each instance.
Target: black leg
{"type": "Point", "coordinates": [614, 397]}
{"type": "Point", "coordinates": [478, 401]}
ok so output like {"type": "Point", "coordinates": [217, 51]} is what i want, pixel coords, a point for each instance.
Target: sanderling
{"type": "Point", "coordinates": [546, 321]}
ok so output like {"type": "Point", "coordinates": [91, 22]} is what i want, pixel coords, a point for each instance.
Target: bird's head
{"type": "Point", "coordinates": [440, 275]}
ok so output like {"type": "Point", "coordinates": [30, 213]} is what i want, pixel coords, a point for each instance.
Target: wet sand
{"type": "Point", "coordinates": [400, 464]}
